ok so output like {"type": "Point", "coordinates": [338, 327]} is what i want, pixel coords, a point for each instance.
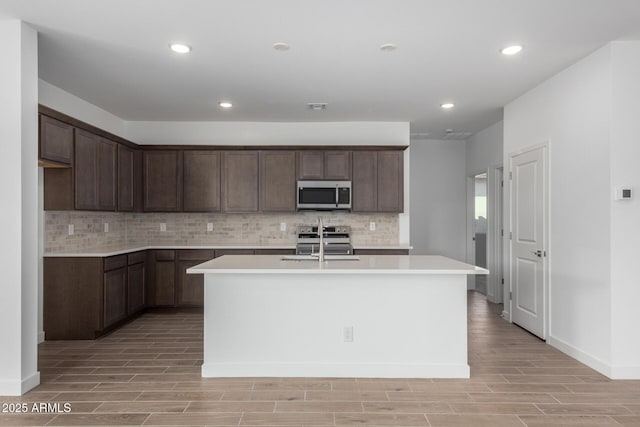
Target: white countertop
{"type": "Point", "coordinates": [380, 264]}
{"type": "Point", "coordinates": [111, 251]}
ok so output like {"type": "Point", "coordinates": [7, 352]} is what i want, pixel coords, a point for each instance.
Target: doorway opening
{"type": "Point", "coordinates": [480, 225]}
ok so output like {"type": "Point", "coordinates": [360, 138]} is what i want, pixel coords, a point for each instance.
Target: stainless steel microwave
{"type": "Point", "coordinates": [324, 195]}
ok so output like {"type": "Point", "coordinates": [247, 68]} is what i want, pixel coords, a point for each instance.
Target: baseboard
{"type": "Point", "coordinates": [589, 360]}
{"type": "Point", "coordinates": [40, 337]}
{"type": "Point", "coordinates": [18, 388]}
{"type": "Point", "coordinates": [334, 370]}
{"type": "Point", "coordinates": [625, 372]}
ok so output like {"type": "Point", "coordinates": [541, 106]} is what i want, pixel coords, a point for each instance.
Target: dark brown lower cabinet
{"type": "Point", "coordinates": [164, 278]}
{"type": "Point", "coordinates": [84, 297]}
{"type": "Point", "coordinates": [115, 296]}
{"type": "Point", "coordinates": [136, 277]}
{"type": "Point", "coordinates": [190, 287]}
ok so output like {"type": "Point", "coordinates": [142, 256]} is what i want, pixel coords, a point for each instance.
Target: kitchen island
{"type": "Point", "coordinates": [393, 316]}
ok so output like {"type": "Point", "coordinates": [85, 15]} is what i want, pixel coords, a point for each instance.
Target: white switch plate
{"type": "Point", "coordinates": [163, 226]}
{"type": "Point", "coordinates": [348, 334]}
{"type": "Point", "coordinates": [71, 229]}
{"type": "Point", "coordinates": [372, 226]}
{"type": "Point", "coordinates": [283, 226]}
{"type": "Point", "coordinates": [106, 227]}
{"type": "Point", "coordinates": [209, 226]}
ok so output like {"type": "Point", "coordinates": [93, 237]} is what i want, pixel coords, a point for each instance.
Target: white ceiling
{"type": "Point", "coordinates": [114, 54]}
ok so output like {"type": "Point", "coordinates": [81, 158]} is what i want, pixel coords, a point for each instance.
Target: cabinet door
{"type": "Point", "coordinates": [365, 181]}
{"type": "Point", "coordinates": [277, 181]}
{"type": "Point", "coordinates": [201, 187]}
{"type": "Point", "coordinates": [115, 296]}
{"type": "Point", "coordinates": [126, 176]}
{"type": "Point", "coordinates": [162, 170]}
{"type": "Point", "coordinates": [106, 174]}
{"type": "Point", "coordinates": [56, 140]}
{"type": "Point", "coordinates": [165, 282]}
{"type": "Point", "coordinates": [240, 181]}
{"type": "Point", "coordinates": [135, 286]}
{"type": "Point", "coordinates": [190, 286]}
{"type": "Point", "coordinates": [85, 170]}
{"type": "Point", "coordinates": [337, 165]}
{"type": "Point", "coordinates": [390, 181]}
{"type": "Point", "coordinates": [310, 164]}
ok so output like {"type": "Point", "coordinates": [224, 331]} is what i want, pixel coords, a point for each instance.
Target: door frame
{"type": "Point", "coordinates": [495, 227]}
{"type": "Point", "coordinates": [546, 145]}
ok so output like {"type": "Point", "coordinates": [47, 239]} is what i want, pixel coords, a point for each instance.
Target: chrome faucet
{"type": "Point", "coordinates": [320, 253]}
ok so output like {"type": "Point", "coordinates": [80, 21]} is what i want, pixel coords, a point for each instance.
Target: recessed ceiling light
{"type": "Point", "coordinates": [281, 46]}
{"type": "Point", "coordinates": [511, 50]}
{"type": "Point", "coordinates": [225, 104]}
{"type": "Point", "coordinates": [447, 105]}
{"type": "Point", "coordinates": [180, 47]}
{"type": "Point", "coordinates": [388, 47]}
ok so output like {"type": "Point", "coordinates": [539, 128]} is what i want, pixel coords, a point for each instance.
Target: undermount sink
{"type": "Point", "coordinates": [315, 258]}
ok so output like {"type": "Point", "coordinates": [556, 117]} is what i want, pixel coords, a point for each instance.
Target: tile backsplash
{"type": "Point", "coordinates": [143, 229]}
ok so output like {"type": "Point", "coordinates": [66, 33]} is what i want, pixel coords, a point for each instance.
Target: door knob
{"type": "Point", "coordinates": [537, 253]}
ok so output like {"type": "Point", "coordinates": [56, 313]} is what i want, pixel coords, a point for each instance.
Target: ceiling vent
{"type": "Point", "coordinates": [317, 106]}
{"type": "Point", "coordinates": [456, 134]}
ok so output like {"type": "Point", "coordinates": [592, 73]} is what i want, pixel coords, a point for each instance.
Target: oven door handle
{"type": "Point", "coordinates": [337, 197]}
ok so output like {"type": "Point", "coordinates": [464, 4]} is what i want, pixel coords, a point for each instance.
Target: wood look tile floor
{"type": "Point", "coordinates": [148, 373]}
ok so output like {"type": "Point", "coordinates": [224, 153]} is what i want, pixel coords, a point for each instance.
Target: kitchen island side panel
{"type": "Point", "coordinates": [293, 325]}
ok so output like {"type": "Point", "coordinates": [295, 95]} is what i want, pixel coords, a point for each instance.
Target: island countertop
{"type": "Point", "coordinates": [380, 264]}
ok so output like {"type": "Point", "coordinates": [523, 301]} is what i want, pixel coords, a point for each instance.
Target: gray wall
{"type": "Point", "coordinates": [438, 198]}
{"type": "Point", "coordinates": [484, 149]}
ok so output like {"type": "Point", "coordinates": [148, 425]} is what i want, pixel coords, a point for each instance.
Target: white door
{"type": "Point", "coordinates": [528, 240]}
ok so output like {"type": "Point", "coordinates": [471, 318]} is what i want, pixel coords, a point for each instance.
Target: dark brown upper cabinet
{"type": "Point", "coordinates": [365, 181]}
{"type": "Point", "coordinates": [324, 165]}
{"type": "Point", "coordinates": [240, 181]}
{"type": "Point", "coordinates": [56, 141]}
{"type": "Point", "coordinates": [201, 181]}
{"type": "Point", "coordinates": [337, 165]}
{"type": "Point", "coordinates": [94, 172]}
{"type": "Point", "coordinates": [107, 172]}
{"type": "Point", "coordinates": [162, 180]}
{"type": "Point", "coordinates": [390, 181]}
{"type": "Point", "coordinates": [126, 179]}
{"type": "Point", "coordinates": [378, 181]}
{"type": "Point", "coordinates": [310, 164]}
{"type": "Point", "coordinates": [277, 181]}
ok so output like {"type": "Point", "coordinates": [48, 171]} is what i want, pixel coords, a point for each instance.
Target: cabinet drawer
{"type": "Point", "coordinates": [275, 251]}
{"type": "Point", "coordinates": [165, 255]}
{"type": "Point", "coordinates": [113, 262]}
{"type": "Point", "coordinates": [196, 254]}
{"type": "Point", "coordinates": [136, 257]}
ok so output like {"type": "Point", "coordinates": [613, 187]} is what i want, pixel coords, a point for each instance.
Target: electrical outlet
{"type": "Point", "coordinates": [348, 334]}
{"type": "Point", "coordinates": [209, 226]}
{"type": "Point", "coordinates": [71, 229]}
{"type": "Point", "coordinates": [372, 226]}
{"type": "Point", "coordinates": [163, 226]}
{"type": "Point", "coordinates": [106, 227]}
{"type": "Point", "coordinates": [283, 226]}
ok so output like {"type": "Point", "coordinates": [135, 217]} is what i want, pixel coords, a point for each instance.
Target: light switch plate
{"type": "Point", "coordinates": [106, 227]}
{"type": "Point", "coordinates": [71, 229]}
{"type": "Point", "coordinates": [163, 226]}
{"type": "Point", "coordinates": [372, 226]}
{"type": "Point", "coordinates": [209, 226]}
{"type": "Point", "coordinates": [283, 226]}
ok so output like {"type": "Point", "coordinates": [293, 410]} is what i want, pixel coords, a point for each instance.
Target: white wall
{"type": "Point", "coordinates": [572, 112]}
{"type": "Point", "coordinates": [625, 215]}
{"type": "Point", "coordinates": [269, 133]}
{"type": "Point", "coordinates": [64, 102]}
{"type": "Point", "coordinates": [438, 198]}
{"type": "Point", "coordinates": [484, 149]}
{"type": "Point", "coordinates": [19, 216]}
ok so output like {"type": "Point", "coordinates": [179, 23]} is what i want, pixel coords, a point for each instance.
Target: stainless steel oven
{"type": "Point", "coordinates": [337, 240]}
